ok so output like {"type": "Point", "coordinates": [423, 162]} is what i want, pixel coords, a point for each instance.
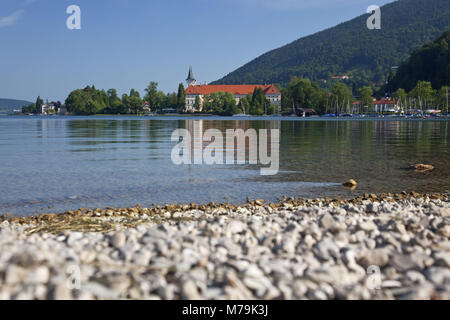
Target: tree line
{"type": "Point", "coordinates": [224, 104]}
{"type": "Point", "coordinates": [90, 100]}
{"type": "Point", "coordinates": [301, 93]}
{"type": "Point", "coordinates": [423, 96]}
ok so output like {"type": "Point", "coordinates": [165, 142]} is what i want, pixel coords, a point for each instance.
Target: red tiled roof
{"type": "Point", "coordinates": [242, 89]}
{"type": "Point", "coordinates": [384, 102]}
{"type": "Point", "coordinates": [340, 77]}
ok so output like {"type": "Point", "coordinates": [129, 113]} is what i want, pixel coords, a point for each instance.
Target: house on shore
{"type": "Point", "coordinates": [385, 105]}
{"type": "Point", "coordinates": [382, 105]}
{"type": "Point", "coordinates": [47, 108]}
{"type": "Point", "coordinates": [271, 92]}
{"type": "Point", "coordinates": [305, 112]}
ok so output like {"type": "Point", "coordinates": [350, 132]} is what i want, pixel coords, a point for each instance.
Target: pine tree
{"type": "Point", "coordinates": [181, 97]}
{"type": "Point", "coordinates": [39, 103]}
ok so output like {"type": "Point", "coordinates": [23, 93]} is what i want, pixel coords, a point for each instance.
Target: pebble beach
{"type": "Point", "coordinates": [389, 246]}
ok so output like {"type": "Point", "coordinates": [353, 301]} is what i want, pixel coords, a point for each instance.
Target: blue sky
{"type": "Point", "coordinates": [126, 44]}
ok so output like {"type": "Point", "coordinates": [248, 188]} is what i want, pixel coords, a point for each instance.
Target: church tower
{"type": "Point", "coordinates": [190, 79]}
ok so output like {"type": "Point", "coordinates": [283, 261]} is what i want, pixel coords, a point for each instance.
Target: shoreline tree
{"type": "Point", "coordinates": [181, 97]}
{"type": "Point", "coordinates": [38, 105]}
{"type": "Point", "coordinates": [366, 99]}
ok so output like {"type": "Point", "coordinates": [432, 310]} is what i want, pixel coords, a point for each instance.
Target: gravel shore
{"type": "Point", "coordinates": [370, 247]}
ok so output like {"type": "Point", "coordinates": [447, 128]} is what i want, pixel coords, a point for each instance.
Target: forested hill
{"type": "Point", "coordinates": [429, 63]}
{"type": "Point", "coordinates": [8, 105]}
{"type": "Point", "coordinates": [351, 48]}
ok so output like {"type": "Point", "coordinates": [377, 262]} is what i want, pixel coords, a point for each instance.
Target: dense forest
{"type": "Point", "coordinates": [350, 48]}
{"type": "Point", "coordinates": [429, 63]}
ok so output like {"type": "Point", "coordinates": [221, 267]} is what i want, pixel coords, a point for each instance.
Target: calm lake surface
{"type": "Point", "coordinates": [73, 162]}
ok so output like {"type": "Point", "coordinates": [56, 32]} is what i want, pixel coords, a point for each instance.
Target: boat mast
{"type": "Point", "coordinates": [337, 105]}
{"type": "Point", "coordinates": [447, 100]}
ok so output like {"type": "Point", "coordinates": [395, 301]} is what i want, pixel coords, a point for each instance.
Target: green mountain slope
{"type": "Point", "coordinates": [351, 48]}
{"type": "Point", "coordinates": [8, 105]}
{"type": "Point", "coordinates": [429, 63]}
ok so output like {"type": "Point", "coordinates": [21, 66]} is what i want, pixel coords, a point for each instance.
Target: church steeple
{"type": "Point", "coordinates": [190, 79]}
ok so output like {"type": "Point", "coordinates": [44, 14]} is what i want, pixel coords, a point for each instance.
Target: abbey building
{"type": "Point", "coordinates": [273, 95]}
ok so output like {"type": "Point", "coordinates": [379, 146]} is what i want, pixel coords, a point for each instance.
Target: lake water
{"type": "Point", "coordinates": [73, 162]}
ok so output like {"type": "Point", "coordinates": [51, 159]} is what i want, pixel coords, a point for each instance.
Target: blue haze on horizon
{"type": "Point", "coordinates": [126, 44]}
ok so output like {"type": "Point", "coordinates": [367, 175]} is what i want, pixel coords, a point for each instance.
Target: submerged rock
{"type": "Point", "coordinates": [350, 184]}
{"type": "Point", "coordinates": [420, 167]}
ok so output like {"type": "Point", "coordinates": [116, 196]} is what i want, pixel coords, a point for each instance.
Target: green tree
{"type": "Point", "coordinates": [401, 97]}
{"type": "Point", "coordinates": [197, 103]}
{"type": "Point", "coordinates": [125, 103]}
{"type": "Point", "coordinates": [366, 99]}
{"type": "Point", "coordinates": [302, 93]}
{"type": "Point", "coordinates": [115, 104]}
{"type": "Point", "coordinates": [272, 109]}
{"type": "Point", "coordinates": [244, 104]}
{"type": "Point", "coordinates": [287, 101]}
{"type": "Point", "coordinates": [134, 102]}
{"type": "Point", "coordinates": [258, 102]}
{"type": "Point", "coordinates": [171, 100]}
{"type": "Point", "coordinates": [423, 93]}
{"type": "Point", "coordinates": [29, 109]}
{"type": "Point", "coordinates": [442, 98]}
{"type": "Point", "coordinates": [157, 99]}
{"type": "Point", "coordinates": [220, 103]}
{"type": "Point", "coordinates": [39, 103]}
{"type": "Point", "coordinates": [230, 106]}
{"type": "Point", "coordinates": [75, 103]}
{"type": "Point", "coordinates": [135, 94]}
{"type": "Point", "coordinates": [181, 97]}
{"type": "Point", "coordinates": [342, 97]}
{"type": "Point", "coordinates": [151, 93]}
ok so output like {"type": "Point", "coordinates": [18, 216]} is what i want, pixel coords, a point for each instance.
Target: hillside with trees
{"type": "Point", "coordinates": [8, 105]}
{"type": "Point", "coordinates": [430, 63]}
{"type": "Point", "coordinates": [350, 48]}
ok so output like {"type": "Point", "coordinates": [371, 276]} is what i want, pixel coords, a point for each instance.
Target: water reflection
{"type": "Point", "coordinates": [120, 161]}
